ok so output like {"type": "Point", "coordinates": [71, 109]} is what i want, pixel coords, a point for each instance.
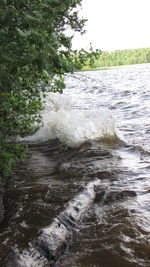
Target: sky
{"type": "Point", "coordinates": [115, 24]}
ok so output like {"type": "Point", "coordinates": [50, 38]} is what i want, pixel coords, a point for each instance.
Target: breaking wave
{"type": "Point", "coordinates": [73, 126]}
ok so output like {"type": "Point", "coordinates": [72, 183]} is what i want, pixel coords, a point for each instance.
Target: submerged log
{"type": "Point", "coordinates": [49, 246]}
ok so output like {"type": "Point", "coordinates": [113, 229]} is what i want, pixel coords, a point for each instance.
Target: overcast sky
{"type": "Point", "coordinates": [115, 24]}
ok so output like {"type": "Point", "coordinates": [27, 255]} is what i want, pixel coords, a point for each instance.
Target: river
{"type": "Point", "coordinates": [99, 128]}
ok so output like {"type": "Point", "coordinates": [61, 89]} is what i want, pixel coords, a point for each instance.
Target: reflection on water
{"type": "Point", "coordinates": [116, 228]}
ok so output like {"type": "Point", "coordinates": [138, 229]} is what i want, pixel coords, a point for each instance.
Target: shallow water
{"type": "Point", "coordinates": [99, 127]}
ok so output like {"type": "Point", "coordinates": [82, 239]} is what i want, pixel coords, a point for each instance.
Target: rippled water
{"type": "Point", "coordinates": [99, 127]}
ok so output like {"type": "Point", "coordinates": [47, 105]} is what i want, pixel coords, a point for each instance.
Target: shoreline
{"type": "Point", "coordinates": [112, 67]}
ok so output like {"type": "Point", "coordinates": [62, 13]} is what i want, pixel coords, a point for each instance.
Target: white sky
{"type": "Point", "coordinates": [115, 24]}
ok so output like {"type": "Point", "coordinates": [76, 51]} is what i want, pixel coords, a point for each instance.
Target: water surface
{"type": "Point", "coordinates": [99, 127]}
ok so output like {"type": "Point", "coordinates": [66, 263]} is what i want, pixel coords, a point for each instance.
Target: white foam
{"type": "Point", "coordinates": [73, 126]}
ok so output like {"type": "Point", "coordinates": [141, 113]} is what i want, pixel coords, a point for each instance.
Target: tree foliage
{"type": "Point", "coordinates": [123, 57]}
{"type": "Point", "coordinates": [34, 52]}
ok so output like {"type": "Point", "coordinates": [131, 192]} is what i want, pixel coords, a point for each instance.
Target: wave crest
{"type": "Point", "coordinates": [71, 125]}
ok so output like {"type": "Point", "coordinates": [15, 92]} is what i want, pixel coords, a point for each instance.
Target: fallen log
{"type": "Point", "coordinates": [50, 245]}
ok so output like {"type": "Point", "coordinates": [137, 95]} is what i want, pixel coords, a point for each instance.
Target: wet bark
{"type": "Point", "coordinates": [49, 246]}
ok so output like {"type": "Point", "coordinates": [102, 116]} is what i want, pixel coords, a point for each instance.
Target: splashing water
{"type": "Point", "coordinates": [73, 126]}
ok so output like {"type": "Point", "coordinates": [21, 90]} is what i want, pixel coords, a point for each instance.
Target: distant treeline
{"type": "Point", "coordinates": [122, 57]}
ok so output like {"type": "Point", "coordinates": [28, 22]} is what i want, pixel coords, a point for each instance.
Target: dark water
{"type": "Point", "coordinates": [115, 230]}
